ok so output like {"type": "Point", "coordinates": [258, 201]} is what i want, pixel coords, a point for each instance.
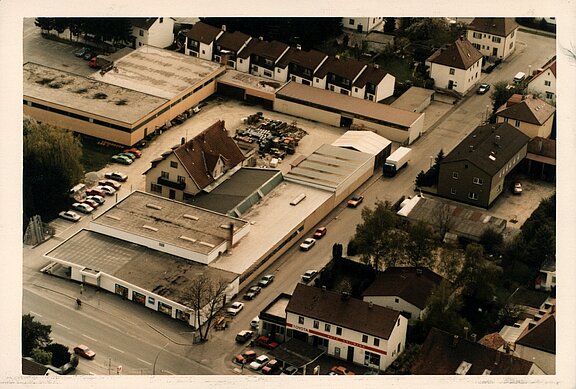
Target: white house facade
{"type": "Point", "coordinates": [494, 37]}
{"type": "Point", "coordinates": [157, 32]}
{"type": "Point", "coordinates": [363, 24]}
{"type": "Point", "coordinates": [543, 82]}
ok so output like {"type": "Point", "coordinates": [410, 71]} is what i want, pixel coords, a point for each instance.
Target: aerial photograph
{"type": "Point", "coordinates": [250, 197]}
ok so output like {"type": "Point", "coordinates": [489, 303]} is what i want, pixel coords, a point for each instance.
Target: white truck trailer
{"type": "Point", "coordinates": [396, 161]}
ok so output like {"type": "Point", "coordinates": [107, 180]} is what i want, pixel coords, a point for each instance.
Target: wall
{"type": "Point", "coordinates": [464, 183]}
{"type": "Point", "coordinates": [319, 82]}
{"type": "Point", "coordinates": [537, 85]}
{"type": "Point", "coordinates": [530, 129]}
{"type": "Point", "coordinates": [385, 88]}
{"type": "Point", "coordinates": [280, 74]}
{"type": "Point", "coordinates": [306, 112]}
{"type": "Point", "coordinates": [161, 34]}
{"type": "Point", "coordinates": [153, 174]}
{"type": "Point", "coordinates": [360, 176]}
{"type": "Point", "coordinates": [464, 80]}
{"type": "Point", "coordinates": [546, 361]}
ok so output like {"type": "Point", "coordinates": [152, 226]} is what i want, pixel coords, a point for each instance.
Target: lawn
{"type": "Point", "coordinates": [96, 153]}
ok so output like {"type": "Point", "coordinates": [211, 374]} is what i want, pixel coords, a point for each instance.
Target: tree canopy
{"type": "Point", "coordinates": [115, 30]}
{"type": "Point", "coordinates": [501, 93]}
{"type": "Point", "coordinates": [34, 335]}
{"type": "Point", "coordinates": [206, 296]}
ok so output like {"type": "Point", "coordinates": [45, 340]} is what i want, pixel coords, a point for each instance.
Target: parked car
{"type": "Point", "coordinates": [82, 207]}
{"type": "Point", "coordinates": [95, 192]}
{"type": "Point", "coordinates": [266, 280]}
{"type": "Point", "coordinates": [340, 370]}
{"type": "Point", "coordinates": [114, 184]}
{"type": "Point", "coordinates": [307, 244]}
{"type": "Point", "coordinates": [84, 351]}
{"type": "Point", "coordinates": [80, 52]}
{"type": "Point", "coordinates": [236, 307]}
{"type": "Point", "coordinates": [244, 335]}
{"type": "Point", "coordinates": [259, 362]}
{"type": "Point", "coordinates": [255, 322]}
{"type": "Point", "coordinates": [93, 203]}
{"type": "Point", "coordinates": [483, 88]}
{"type": "Point", "coordinates": [320, 232]}
{"type": "Point", "coordinates": [121, 159]}
{"type": "Point", "coordinates": [308, 275]}
{"type": "Point", "coordinates": [88, 55]}
{"type": "Point", "coordinates": [116, 176]}
{"type": "Point", "coordinates": [108, 190]}
{"type": "Point", "coordinates": [129, 155]}
{"type": "Point", "coordinates": [252, 292]}
{"type": "Point", "coordinates": [99, 199]}
{"type": "Point", "coordinates": [271, 367]}
{"type": "Point", "coordinates": [134, 151]}
{"type": "Point", "coordinates": [355, 201]}
{"type": "Point", "coordinates": [290, 370]}
{"type": "Point", "coordinates": [266, 342]}
{"type": "Point", "coordinates": [245, 357]}
{"type": "Point", "coordinates": [517, 187]}
{"type": "Point", "coordinates": [70, 215]}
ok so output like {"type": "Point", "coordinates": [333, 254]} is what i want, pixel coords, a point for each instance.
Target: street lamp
{"type": "Point", "coordinates": [156, 359]}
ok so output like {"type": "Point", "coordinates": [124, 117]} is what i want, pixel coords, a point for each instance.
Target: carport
{"type": "Point", "coordinates": [297, 353]}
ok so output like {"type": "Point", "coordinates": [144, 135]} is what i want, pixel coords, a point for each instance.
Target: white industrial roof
{"type": "Point", "coordinates": [364, 141]}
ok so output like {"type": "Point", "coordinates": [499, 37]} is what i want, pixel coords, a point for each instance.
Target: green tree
{"type": "Point", "coordinates": [34, 335]}
{"type": "Point", "coordinates": [492, 241]}
{"type": "Point", "coordinates": [45, 24]}
{"type": "Point", "coordinates": [51, 167]}
{"type": "Point", "coordinates": [443, 310]}
{"type": "Point", "coordinates": [501, 93]}
{"type": "Point", "coordinates": [420, 248]}
{"type": "Point", "coordinates": [41, 356]}
{"type": "Point", "coordinates": [60, 354]}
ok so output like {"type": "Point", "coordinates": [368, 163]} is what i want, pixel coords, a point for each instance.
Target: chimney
{"type": "Point", "coordinates": [323, 288]}
{"type": "Point", "coordinates": [455, 341]}
{"type": "Point", "coordinates": [471, 148]}
{"type": "Point", "coordinates": [370, 304]}
{"type": "Point", "coordinates": [231, 233]}
{"type": "Point", "coordinates": [261, 38]}
{"type": "Point", "coordinates": [223, 27]}
{"type": "Point", "coordinates": [298, 47]}
{"type": "Point", "coordinates": [182, 141]}
{"type": "Point", "coordinates": [337, 56]}
{"type": "Point", "coordinates": [497, 140]}
{"type": "Point", "coordinates": [466, 333]}
{"type": "Point", "coordinates": [473, 337]}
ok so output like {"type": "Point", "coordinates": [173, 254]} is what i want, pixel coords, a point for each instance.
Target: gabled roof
{"type": "Point", "coordinates": [493, 340]}
{"type": "Point", "coordinates": [495, 26]}
{"type": "Point", "coordinates": [461, 55]}
{"type": "Point", "coordinates": [443, 354]}
{"type": "Point", "coordinates": [414, 285]}
{"type": "Point", "coordinates": [203, 33]}
{"type": "Point", "coordinates": [143, 23]}
{"type": "Point", "coordinates": [551, 64]}
{"type": "Point", "coordinates": [370, 75]}
{"type": "Point", "coordinates": [200, 154]}
{"type": "Point", "coordinates": [489, 147]}
{"type": "Point", "coordinates": [530, 110]}
{"type": "Point", "coordinates": [271, 50]}
{"type": "Point", "coordinates": [541, 337]}
{"type": "Point", "coordinates": [343, 67]}
{"type": "Point", "coordinates": [339, 310]}
{"type": "Point", "coordinates": [232, 40]}
{"type": "Point", "coordinates": [31, 367]}
{"type": "Point", "coordinates": [528, 298]}
{"type": "Point", "coordinates": [307, 59]}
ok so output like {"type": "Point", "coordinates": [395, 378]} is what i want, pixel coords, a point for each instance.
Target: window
{"type": "Point", "coordinates": [267, 73]}
{"type": "Point", "coordinates": [512, 35]}
{"type": "Point", "coordinates": [398, 349]}
{"type": "Point", "coordinates": [455, 175]}
{"type": "Point", "coordinates": [364, 338]}
{"type": "Point", "coordinates": [477, 35]}
{"type": "Point", "coordinates": [351, 21]}
{"type": "Point", "coordinates": [478, 181]}
{"type": "Point", "coordinates": [300, 319]}
{"type": "Point", "coordinates": [396, 301]}
{"type": "Point", "coordinates": [316, 324]}
{"type": "Point", "coordinates": [321, 341]}
{"type": "Point", "coordinates": [549, 95]}
{"type": "Point", "coordinates": [472, 196]}
{"type": "Point", "coordinates": [293, 78]}
{"type": "Point", "coordinates": [344, 92]}
{"type": "Point", "coordinates": [327, 327]}
{"type": "Point", "coordinates": [398, 323]}
{"type": "Point", "coordinates": [453, 191]}
{"type": "Point", "coordinates": [338, 330]}
{"type": "Point", "coordinates": [174, 164]}
{"type": "Point", "coordinates": [517, 123]}
{"type": "Point", "coordinates": [181, 179]}
{"type": "Point", "coordinates": [376, 342]}
{"type": "Point", "coordinates": [547, 83]}
{"type": "Point", "coordinates": [496, 39]}
{"type": "Point", "coordinates": [165, 175]}
{"type": "Point", "coordinates": [452, 71]}
{"type": "Point", "coordinates": [332, 88]}
{"type": "Point", "coordinates": [161, 20]}
{"type": "Point", "coordinates": [371, 359]}
{"type": "Point", "coordinates": [141, 32]}
{"type": "Point", "coordinates": [156, 188]}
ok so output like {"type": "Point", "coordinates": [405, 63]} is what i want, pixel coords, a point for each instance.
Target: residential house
{"type": "Point", "coordinates": [404, 289]}
{"type": "Point", "coordinates": [456, 67]}
{"type": "Point", "coordinates": [546, 280]}
{"type": "Point", "coordinates": [494, 37]}
{"type": "Point", "coordinates": [529, 114]}
{"type": "Point", "coordinates": [192, 166]}
{"type": "Point", "coordinates": [299, 65]}
{"type": "Point", "coordinates": [158, 32]}
{"type": "Point", "coordinates": [200, 40]}
{"type": "Point", "coordinates": [446, 354]}
{"type": "Point", "coordinates": [363, 24]}
{"type": "Point", "coordinates": [543, 81]}
{"type": "Point", "coordinates": [338, 74]}
{"type": "Point", "coordinates": [538, 343]}
{"type": "Point", "coordinates": [374, 84]}
{"type": "Point", "coordinates": [227, 47]}
{"type": "Point", "coordinates": [345, 327]}
{"type": "Point", "coordinates": [260, 57]}
{"type": "Point", "coordinates": [475, 170]}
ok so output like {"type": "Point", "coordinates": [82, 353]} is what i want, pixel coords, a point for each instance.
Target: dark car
{"type": "Point", "coordinates": [266, 342]}
{"type": "Point", "coordinates": [116, 176]}
{"type": "Point", "coordinates": [80, 52]}
{"type": "Point", "coordinates": [483, 88]}
{"type": "Point", "coordinates": [355, 201]}
{"type": "Point", "coordinates": [266, 280]}
{"type": "Point", "coordinates": [252, 292]}
{"type": "Point", "coordinates": [84, 351]}
{"type": "Point", "coordinates": [244, 336]}
{"type": "Point", "coordinates": [320, 232]}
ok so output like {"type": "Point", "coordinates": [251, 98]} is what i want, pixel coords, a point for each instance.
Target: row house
{"type": "Point", "coordinates": [227, 47]}
{"type": "Point", "coordinates": [543, 82]}
{"type": "Point", "coordinates": [338, 75]}
{"type": "Point", "coordinates": [260, 57]}
{"type": "Point", "coordinates": [300, 66]}
{"type": "Point", "coordinates": [494, 37]}
{"type": "Point", "coordinates": [346, 328]}
{"type": "Point", "coordinates": [200, 40]}
{"type": "Point", "coordinates": [374, 84]}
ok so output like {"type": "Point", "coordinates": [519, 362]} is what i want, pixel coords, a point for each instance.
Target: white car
{"type": "Point", "coordinates": [235, 308]}
{"type": "Point", "coordinates": [308, 275]}
{"type": "Point", "coordinates": [70, 215]}
{"type": "Point", "coordinates": [107, 189]}
{"type": "Point", "coordinates": [307, 244]}
{"type": "Point", "coordinates": [259, 362]}
{"type": "Point", "coordinates": [82, 207]}
{"type": "Point", "coordinates": [99, 199]}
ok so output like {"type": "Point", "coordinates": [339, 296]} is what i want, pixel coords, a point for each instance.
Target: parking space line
{"type": "Point", "coordinates": [62, 325]}
{"type": "Point", "coordinates": [168, 371]}
{"type": "Point", "coordinates": [114, 348]}
{"type": "Point", "coordinates": [35, 314]}
{"type": "Point", "coordinates": [86, 336]}
{"type": "Point", "coordinates": [146, 362]}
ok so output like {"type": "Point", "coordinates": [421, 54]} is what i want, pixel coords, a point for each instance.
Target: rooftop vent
{"type": "Point", "coordinates": [150, 228]}
{"type": "Point", "coordinates": [298, 199]}
{"type": "Point", "coordinates": [191, 217]}
{"type": "Point", "coordinates": [492, 158]}
{"type": "Point", "coordinates": [153, 206]}
{"type": "Point", "coordinates": [206, 244]}
{"type": "Point", "coordinates": [487, 372]}
{"type": "Point", "coordinates": [113, 217]}
{"type": "Point", "coordinates": [183, 237]}
{"type": "Point", "coordinates": [463, 368]}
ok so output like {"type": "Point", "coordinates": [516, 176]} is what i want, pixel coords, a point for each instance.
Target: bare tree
{"type": "Point", "coordinates": [444, 219]}
{"type": "Point", "coordinates": [206, 297]}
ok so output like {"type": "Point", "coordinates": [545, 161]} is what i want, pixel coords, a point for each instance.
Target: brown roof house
{"type": "Point", "coordinates": [445, 354]}
{"type": "Point", "coordinates": [200, 40]}
{"type": "Point", "coordinates": [475, 170]}
{"type": "Point", "coordinates": [494, 37]}
{"type": "Point", "coordinates": [259, 58]}
{"type": "Point", "coordinates": [196, 165]}
{"type": "Point", "coordinates": [456, 67]}
{"type": "Point", "coordinates": [405, 289]}
{"type": "Point", "coordinates": [299, 65]}
{"type": "Point", "coordinates": [529, 114]}
{"type": "Point", "coordinates": [538, 343]}
{"type": "Point", "coordinates": [347, 328]}
{"type": "Point", "coordinates": [227, 47]}
{"type": "Point", "coordinates": [338, 74]}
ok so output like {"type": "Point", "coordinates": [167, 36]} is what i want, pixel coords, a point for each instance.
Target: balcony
{"type": "Point", "coordinates": [171, 184]}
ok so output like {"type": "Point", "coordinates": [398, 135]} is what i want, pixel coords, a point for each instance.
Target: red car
{"type": "Point", "coordinates": [246, 357]}
{"type": "Point", "coordinates": [320, 232]}
{"type": "Point", "coordinates": [271, 367]}
{"type": "Point", "coordinates": [84, 351]}
{"type": "Point", "coordinates": [266, 342]}
{"type": "Point", "coordinates": [134, 151]}
{"type": "Point", "coordinates": [114, 184]}
{"type": "Point", "coordinates": [95, 192]}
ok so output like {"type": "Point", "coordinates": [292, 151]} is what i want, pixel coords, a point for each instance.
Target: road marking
{"type": "Point", "coordinates": [168, 371]}
{"type": "Point", "coordinates": [146, 362]}
{"type": "Point", "coordinates": [35, 314]}
{"type": "Point", "coordinates": [62, 325]}
{"type": "Point", "coordinates": [114, 348]}
{"type": "Point", "coordinates": [86, 336]}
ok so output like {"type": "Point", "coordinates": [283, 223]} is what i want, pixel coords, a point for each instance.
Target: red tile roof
{"type": "Point", "coordinates": [495, 26]}
{"type": "Point", "coordinates": [461, 55]}
{"type": "Point", "coordinates": [200, 154]}
{"type": "Point", "coordinates": [203, 32]}
{"type": "Point", "coordinates": [494, 341]}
